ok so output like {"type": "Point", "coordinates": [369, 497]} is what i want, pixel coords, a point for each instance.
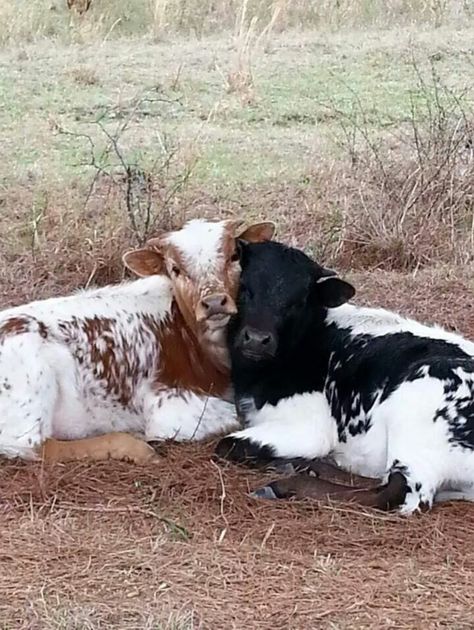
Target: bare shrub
{"type": "Point", "coordinates": [248, 39]}
{"type": "Point", "coordinates": [84, 75]}
{"type": "Point", "coordinates": [146, 191]}
{"type": "Point", "coordinates": [408, 200]}
{"type": "Point", "coordinates": [56, 238]}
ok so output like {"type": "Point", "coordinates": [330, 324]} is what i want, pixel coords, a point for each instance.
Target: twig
{"type": "Point", "coordinates": [138, 184]}
{"type": "Point", "coordinates": [223, 492]}
{"type": "Point", "coordinates": [206, 400]}
{"type": "Point", "coordinates": [268, 533]}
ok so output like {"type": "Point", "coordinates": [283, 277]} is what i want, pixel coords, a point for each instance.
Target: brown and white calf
{"type": "Point", "coordinates": [80, 374]}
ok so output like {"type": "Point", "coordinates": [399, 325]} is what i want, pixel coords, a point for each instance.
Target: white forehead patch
{"type": "Point", "coordinates": [199, 243]}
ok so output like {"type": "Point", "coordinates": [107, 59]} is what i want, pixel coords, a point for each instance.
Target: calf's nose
{"type": "Point", "coordinates": [217, 304]}
{"type": "Point", "coordinates": [214, 301]}
{"type": "Point", "coordinates": [259, 342]}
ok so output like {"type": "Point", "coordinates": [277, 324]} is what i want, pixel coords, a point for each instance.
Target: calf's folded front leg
{"type": "Point", "coordinates": [297, 427]}
{"type": "Point", "coordinates": [183, 415]}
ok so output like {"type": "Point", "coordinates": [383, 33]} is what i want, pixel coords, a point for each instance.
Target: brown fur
{"type": "Point", "coordinates": [115, 361]}
{"type": "Point", "coordinates": [118, 381]}
{"type": "Point", "coordinates": [15, 326]}
{"type": "Point", "coordinates": [183, 362]}
{"type": "Point", "coordinates": [21, 324]}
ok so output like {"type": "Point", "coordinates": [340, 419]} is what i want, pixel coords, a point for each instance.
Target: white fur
{"type": "Point", "coordinates": [300, 426]}
{"type": "Point", "coordinates": [186, 416]}
{"type": "Point", "coordinates": [198, 241]}
{"type": "Point", "coordinates": [378, 321]}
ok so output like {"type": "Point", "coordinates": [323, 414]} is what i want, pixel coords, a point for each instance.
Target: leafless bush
{"type": "Point", "coordinates": [408, 200]}
{"type": "Point", "coordinates": [147, 192]}
{"type": "Point", "coordinates": [248, 38]}
{"type": "Point", "coordinates": [57, 238]}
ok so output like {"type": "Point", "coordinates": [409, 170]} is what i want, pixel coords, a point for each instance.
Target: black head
{"type": "Point", "coordinates": [282, 292]}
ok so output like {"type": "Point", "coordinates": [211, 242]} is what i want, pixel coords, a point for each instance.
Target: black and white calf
{"type": "Point", "coordinates": [384, 396]}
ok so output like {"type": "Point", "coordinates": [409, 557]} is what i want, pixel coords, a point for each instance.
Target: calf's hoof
{"type": "Point", "coordinates": [271, 492]}
{"type": "Point", "coordinates": [266, 492]}
{"type": "Point", "coordinates": [133, 450]}
{"type": "Point", "coordinates": [274, 490]}
{"type": "Point", "coordinates": [393, 495]}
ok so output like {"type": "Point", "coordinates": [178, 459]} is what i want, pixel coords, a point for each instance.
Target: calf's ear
{"type": "Point", "coordinates": [258, 232]}
{"type": "Point", "coordinates": [331, 291]}
{"type": "Point", "coordinates": [144, 262]}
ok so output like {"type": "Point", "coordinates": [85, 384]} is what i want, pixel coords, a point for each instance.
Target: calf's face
{"type": "Point", "coordinates": [281, 291]}
{"type": "Point", "coordinates": [202, 262]}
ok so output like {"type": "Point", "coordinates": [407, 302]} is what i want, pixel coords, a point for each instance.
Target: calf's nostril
{"type": "Point", "coordinates": [214, 302]}
{"type": "Point", "coordinates": [246, 336]}
{"type": "Point", "coordinates": [266, 340]}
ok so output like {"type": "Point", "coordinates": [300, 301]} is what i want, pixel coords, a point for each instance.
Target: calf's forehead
{"type": "Point", "coordinates": [200, 245]}
{"type": "Point", "coordinates": [276, 269]}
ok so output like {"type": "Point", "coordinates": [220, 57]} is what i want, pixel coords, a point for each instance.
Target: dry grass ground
{"type": "Point", "coordinates": [180, 545]}
{"type": "Point", "coordinates": [358, 142]}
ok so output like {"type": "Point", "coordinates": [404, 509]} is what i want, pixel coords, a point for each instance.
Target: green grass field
{"type": "Point", "coordinates": [299, 85]}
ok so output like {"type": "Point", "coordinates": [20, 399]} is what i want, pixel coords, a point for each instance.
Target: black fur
{"type": "Point", "coordinates": [243, 450]}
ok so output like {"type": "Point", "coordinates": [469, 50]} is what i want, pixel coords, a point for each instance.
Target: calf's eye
{"type": "Point", "coordinates": [236, 253]}
{"type": "Point", "coordinates": [175, 270]}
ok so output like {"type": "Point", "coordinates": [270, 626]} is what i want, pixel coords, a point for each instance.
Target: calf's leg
{"type": "Point", "coordinates": [183, 415]}
{"type": "Point", "coordinates": [418, 441]}
{"type": "Point", "coordinates": [298, 427]}
{"type": "Point", "coordinates": [120, 446]}
{"type": "Point", "coordinates": [303, 486]}
{"type": "Point", "coordinates": [325, 468]}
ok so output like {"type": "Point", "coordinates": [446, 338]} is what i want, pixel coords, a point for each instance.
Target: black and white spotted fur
{"type": "Point", "coordinates": [377, 392]}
